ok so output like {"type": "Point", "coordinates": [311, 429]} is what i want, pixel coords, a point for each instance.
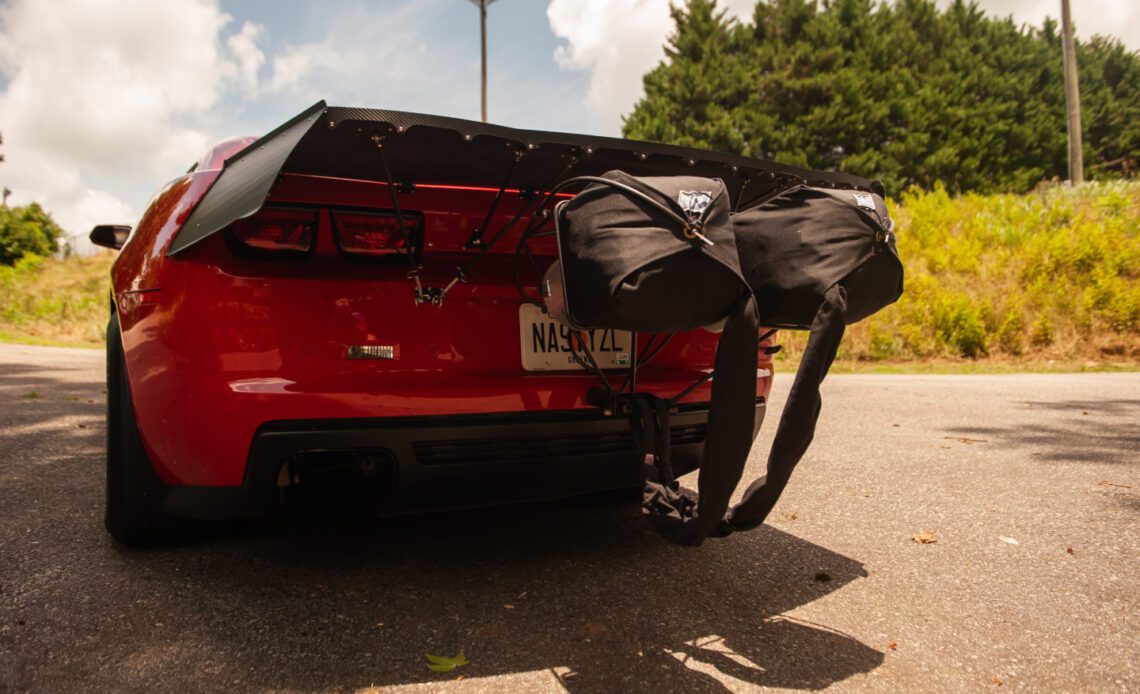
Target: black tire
{"type": "Point", "coordinates": [133, 488]}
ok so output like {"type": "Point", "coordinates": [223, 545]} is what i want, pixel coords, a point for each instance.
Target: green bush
{"type": "Point", "coordinates": [1010, 334]}
{"type": "Point", "coordinates": [25, 230]}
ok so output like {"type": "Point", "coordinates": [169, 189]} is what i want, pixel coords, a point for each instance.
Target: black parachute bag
{"type": "Point", "coordinates": [816, 259]}
{"type": "Point", "coordinates": [659, 255]}
{"type": "Point", "coordinates": [648, 254]}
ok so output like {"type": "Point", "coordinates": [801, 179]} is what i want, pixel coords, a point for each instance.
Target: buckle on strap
{"type": "Point", "coordinates": [694, 229]}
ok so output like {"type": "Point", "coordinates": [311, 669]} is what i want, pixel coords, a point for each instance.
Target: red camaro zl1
{"type": "Point", "coordinates": [348, 295]}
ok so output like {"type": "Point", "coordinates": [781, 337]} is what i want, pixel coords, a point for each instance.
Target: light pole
{"type": "Point", "coordinates": [1072, 96]}
{"type": "Point", "coordinates": [482, 5]}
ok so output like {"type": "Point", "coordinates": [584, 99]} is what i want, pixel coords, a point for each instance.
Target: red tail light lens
{"type": "Point", "coordinates": [377, 234]}
{"type": "Point", "coordinates": [277, 230]}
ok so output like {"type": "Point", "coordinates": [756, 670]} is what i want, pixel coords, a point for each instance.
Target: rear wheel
{"type": "Point", "coordinates": [133, 487]}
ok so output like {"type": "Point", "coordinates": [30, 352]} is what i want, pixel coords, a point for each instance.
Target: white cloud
{"type": "Point", "coordinates": [102, 96]}
{"type": "Point", "coordinates": [618, 41]}
{"type": "Point", "coordinates": [360, 56]}
{"type": "Point", "coordinates": [243, 46]}
{"type": "Point", "coordinates": [296, 65]}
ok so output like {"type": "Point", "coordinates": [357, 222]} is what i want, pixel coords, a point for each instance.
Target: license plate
{"type": "Point", "coordinates": [546, 344]}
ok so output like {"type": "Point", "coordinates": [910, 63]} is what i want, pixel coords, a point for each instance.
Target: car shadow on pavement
{"type": "Point", "coordinates": [577, 593]}
{"type": "Point", "coordinates": [579, 590]}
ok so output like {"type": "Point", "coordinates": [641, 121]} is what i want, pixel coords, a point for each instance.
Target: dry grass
{"type": "Point", "coordinates": [56, 302]}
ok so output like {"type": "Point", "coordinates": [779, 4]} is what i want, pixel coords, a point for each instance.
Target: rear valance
{"type": "Point", "coordinates": [343, 142]}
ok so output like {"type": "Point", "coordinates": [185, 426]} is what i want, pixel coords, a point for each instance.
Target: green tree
{"type": "Point", "coordinates": [694, 98]}
{"type": "Point", "coordinates": [27, 229]}
{"type": "Point", "coordinates": [902, 92]}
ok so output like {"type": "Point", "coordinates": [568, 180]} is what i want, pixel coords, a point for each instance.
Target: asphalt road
{"type": "Point", "coordinates": [1029, 485]}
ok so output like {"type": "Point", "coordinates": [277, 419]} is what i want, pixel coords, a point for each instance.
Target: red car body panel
{"type": "Point", "coordinates": [217, 344]}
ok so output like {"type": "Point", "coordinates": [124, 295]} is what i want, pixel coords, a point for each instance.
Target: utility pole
{"type": "Point", "coordinates": [1072, 96]}
{"type": "Point", "coordinates": [482, 5]}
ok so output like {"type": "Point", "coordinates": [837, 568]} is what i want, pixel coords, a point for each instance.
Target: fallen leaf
{"type": "Point", "coordinates": [926, 538]}
{"type": "Point", "coordinates": [495, 632]}
{"type": "Point", "coordinates": [1008, 540]}
{"type": "Point", "coordinates": [594, 628]}
{"type": "Point", "coordinates": [963, 439]}
{"type": "Point", "coordinates": [1069, 550]}
{"type": "Point", "coordinates": [893, 645]}
{"type": "Point", "coordinates": [997, 681]}
{"type": "Point", "coordinates": [438, 663]}
{"type": "Point", "coordinates": [790, 516]}
{"type": "Point", "coordinates": [1105, 483]}
{"type": "Point", "coordinates": [895, 424]}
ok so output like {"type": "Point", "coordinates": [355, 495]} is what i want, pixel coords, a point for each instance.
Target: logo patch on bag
{"type": "Point", "coordinates": [694, 202]}
{"type": "Point", "coordinates": [865, 201]}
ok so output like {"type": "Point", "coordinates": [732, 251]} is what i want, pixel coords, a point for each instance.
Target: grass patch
{"type": "Point", "coordinates": [987, 365]}
{"type": "Point", "coordinates": [56, 302]}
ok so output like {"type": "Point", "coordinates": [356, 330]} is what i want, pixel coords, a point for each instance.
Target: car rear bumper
{"type": "Point", "coordinates": [431, 463]}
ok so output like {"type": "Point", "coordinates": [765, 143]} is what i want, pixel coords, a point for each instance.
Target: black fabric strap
{"type": "Point", "coordinates": [728, 438]}
{"type": "Point", "coordinates": [797, 423]}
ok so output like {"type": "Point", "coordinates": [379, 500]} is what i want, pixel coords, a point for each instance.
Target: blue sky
{"type": "Point", "coordinates": [102, 101]}
{"type": "Point", "coordinates": [432, 65]}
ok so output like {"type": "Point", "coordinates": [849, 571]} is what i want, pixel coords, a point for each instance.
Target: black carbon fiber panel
{"type": "Point", "coordinates": [342, 142]}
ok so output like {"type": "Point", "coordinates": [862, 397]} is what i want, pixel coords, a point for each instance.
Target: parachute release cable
{"type": "Point", "coordinates": [421, 296]}
{"type": "Point", "coordinates": [476, 240]}
{"type": "Point", "coordinates": [461, 272]}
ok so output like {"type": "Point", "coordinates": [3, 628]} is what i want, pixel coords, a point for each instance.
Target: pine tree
{"type": "Point", "coordinates": [690, 100]}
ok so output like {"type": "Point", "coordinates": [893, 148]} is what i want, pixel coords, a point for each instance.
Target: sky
{"type": "Point", "coordinates": [103, 101]}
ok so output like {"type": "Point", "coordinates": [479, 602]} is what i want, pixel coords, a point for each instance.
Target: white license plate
{"type": "Point", "coordinates": [546, 343]}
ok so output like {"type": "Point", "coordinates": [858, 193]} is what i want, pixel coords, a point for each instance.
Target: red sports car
{"type": "Point", "coordinates": [352, 295]}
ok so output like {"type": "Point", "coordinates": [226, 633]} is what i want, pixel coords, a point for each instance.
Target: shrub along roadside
{"type": "Point", "coordinates": [999, 279]}
{"type": "Point", "coordinates": [1049, 275]}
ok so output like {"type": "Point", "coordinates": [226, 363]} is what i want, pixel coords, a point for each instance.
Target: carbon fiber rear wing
{"type": "Point", "coordinates": [417, 148]}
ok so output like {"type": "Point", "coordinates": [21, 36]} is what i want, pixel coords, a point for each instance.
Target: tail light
{"type": "Point", "coordinates": [377, 234]}
{"type": "Point", "coordinates": [275, 230]}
